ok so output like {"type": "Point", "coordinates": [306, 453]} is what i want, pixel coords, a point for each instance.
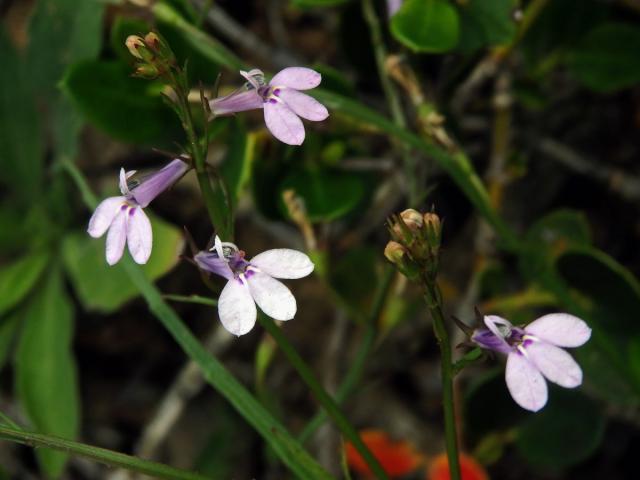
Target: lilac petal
{"type": "Point", "coordinates": [555, 364]}
{"type": "Point", "coordinates": [299, 78]}
{"type": "Point", "coordinates": [283, 263]}
{"type": "Point", "coordinates": [272, 296]}
{"type": "Point", "coordinates": [139, 235]}
{"type": "Point", "coordinates": [485, 338]}
{"type": "Point", "coordinates": [525, 383]}
{"type": "Point", "coordinates": [303, 105]}
{"type": "Point", "coordinates": [393, 6]}
{"type": "Point", "coordinates": [210, 262]}
{"type": "Point", "coordinates": [124, 176]}
{"type": "Point", "coordinates": [117, 237]}
{"type": "Point", "coordinates": [283, 123]}
{"type": "Point", "coordinates": [236, 308]}
{"type": "Point", "coordinates": [156, 183]}
{"type": "Point", "coordinates": [492, 322]}
{"type": "Point", "coordinates": [104, 215]}
{"type": "Point", "coordinates": [560, 329]}
{"type": "Point", "coordinates": [236, 102]}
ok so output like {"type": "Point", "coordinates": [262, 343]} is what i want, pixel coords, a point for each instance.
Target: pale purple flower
{"type": "Point", "coordinates": [534, 353]}
{"type": "Point", "coordinates": [393, 6]}
{"type": "Point", "coordinates": [124, 217]}
{"type": "Point", "coordinates": [281, 99]}
{"type": "Point", "coordinates": [253, 281]}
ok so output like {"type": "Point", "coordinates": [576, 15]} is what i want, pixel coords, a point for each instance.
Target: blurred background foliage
{"type": "Point", "coordinates": [542, 100]}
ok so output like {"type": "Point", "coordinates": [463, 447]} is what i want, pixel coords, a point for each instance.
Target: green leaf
{"type": "Point", "coordinates": [19, 277]}
{"type": "Point", "coordinates": [327, 195]}
{"type": "Point", "coordinates": [104, 288]}
{"type": "Point", "coordinates": [129, 109]}
{"type": "Point", "coordinates": [607, 58]}
{"type": "Point", "coordinates": [237, 165]}
{"type": "Point", "coordinates": [564, 433]}
{"type": "Point", "coordinates": [8, 327]}
{"type": "Point", "coordinates": [426, 25]}
{"type": "Point", "coordinates": [21, 141]}
{"type": "Point", "coordinates": [45, 370]}
{"type": "Point", "coordinates": [485, 23]}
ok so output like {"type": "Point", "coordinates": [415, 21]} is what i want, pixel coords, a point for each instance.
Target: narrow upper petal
{"type": "Point", "coordinates": [560, 329]}
{"type": "Point", "coordinates": [555, 364]}
{"type": "Point", "coordinates": [104, 215]}
{"type": "Point", "coordinates": [493, 322]}
{"type": "Point", "coordinates": [272, 296]}
{"type": "Point", "coordinates": [283, 263]}
{"type": "Point", "coordinates": [117, 237]}
{"type": "Point", "coordinates": [283, 123]}
{"type": "Point", "coordinates": [525, 383]}
{"type": "Point", "coordinates": [300, 78]}
{"type": "Point", "coordinates": [303, 105]}
{"type": "Point", "coordinates": [236, 308]}
{"type": "Point", "coordinates": [211, 262]}
{"type": "Point", "coordinates": [139, 235]}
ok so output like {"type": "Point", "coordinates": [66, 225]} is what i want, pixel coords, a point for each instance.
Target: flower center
{"type": "Point", "coordinates": [270, 94]}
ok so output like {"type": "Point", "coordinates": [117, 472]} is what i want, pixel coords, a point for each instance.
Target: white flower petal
{"type": "Point", "coordinates": [272, 296]}
{"type": "Point", "coordinates": [139, 235]}
{"type": "Point", "coordinates": [560, 329]}
{"type": "Point", "coordinates": [300, 78]}
{"type": "Point", "coordinates": [116, 238]}
{"type": "Point", "coordinates": [283, 123]}
{"type": "Point", "coordinates": [104, 215]}
{"type": "Point", "coordinates": [304, 105]}
{"type": "Point", "coordinates": [124, 188]}
{"type": "Point", "coordinates": [283, 263]}
{"type": "Point", "coordinates": [236, 308]}
{"type": "Point", "coordinates": [525, 383]}
{"type": "Point", "coordinates": [555, 364]}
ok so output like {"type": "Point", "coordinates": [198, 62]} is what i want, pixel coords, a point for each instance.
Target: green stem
{"type": "Point", "coordinates": [434, 304]}
{"type": "Point", "coordinates": [328, 403]}
{"type": "Point", "coordinates": [356, 368]}
{"type": "Point", "coordinates": [390, 92]}
{"type": "Point", "coordinates": [102, 455]}
{"type": "Point", "coordinates": [211, 302]}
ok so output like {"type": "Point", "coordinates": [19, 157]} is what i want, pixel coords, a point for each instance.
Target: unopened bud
{"type": "Point", "coordinates": [135, 45]}
{"type": "Point", "coordinates": [394, 252]}
{"type": "Point", "coordinates": [412, 219]}
{"type": "Point", "coordinates": [152, 40]}
{"type": "Point", "coordinates": [433, 228]}
{"type": "Point", "coordinates": [147, 71]}
{"type": "Point", "coordinates": [159, 45]}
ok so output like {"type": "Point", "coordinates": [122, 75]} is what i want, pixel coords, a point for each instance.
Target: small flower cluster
{"type": "Point", "coordinates": [154, 55]}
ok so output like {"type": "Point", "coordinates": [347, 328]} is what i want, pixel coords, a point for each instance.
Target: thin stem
{"type": "Point", "coordinates": [433, 299]}
{"type": "Point", "coordinates": [328, 403]}
{"type": "Point", "coordinates": [102, 455]}
{"type": "Point", "coordinates": [211, 302]}
{"type": "Point", "coordinates": [356, 368]}
{"type": "Point", "coordinates": [7, 421]}
{"type": "Point", "coordinates": [390, 92]}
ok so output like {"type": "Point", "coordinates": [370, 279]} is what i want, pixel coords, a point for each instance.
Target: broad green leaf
{"type": "Point", "coordinates": [426, 25]}
{"type": "Point", "coordinates": [327, 195]}
{"type": "Point", "coordinates": [45, 370]}
{"type": "Point", "coordinates": [564, 433]}
{"type": "Point", "coordinates": [237, 165]}
{"type": "Point", "coordinates": [104, 288]}
{"type": "Point", "coordinates": [19, 277]}
{"type": "Point", "coordinates": [129, 109]}
{"type": "Point", "coordinates": [607, 58]}
{"type": "Point", "coordinates": [485, 23]}
{"type": "Point", "coordinates": [21, 140]}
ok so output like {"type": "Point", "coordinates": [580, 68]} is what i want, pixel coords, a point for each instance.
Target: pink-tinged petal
{"type": "Point", "coordinates": [283, 123]}
{"type": "Point", "coordinates": [525, 383]}
{"type": "Point", "coordinates": [236, 102]}
{"type": "Point", "coordinates": [560, 329]}
{"type": "Point", "coordinates": [283, 263]}
{"type": "Point", "coordinates": [139, 235]}
{"type": "Point", "coordinates": [236, 308]}
{"type": "Point", "coordinates": [300, 78]}
{"type": "Point", "coordinates": [303, 105]}
{"type": "Point", "coordinates": [492, 322]}
{"type": "Point", "coordinates": [555, 364]}
{"type": "Point", "coordinates": [272, 296]}
{"type": "Point", "coordinates": [157, 182]}
{"type": "Point", "coordinates": [117, 237]}
{"type": "Point", "coordinates": [211, 262]}
{"type": "Point", "coordinates": [104, 215]}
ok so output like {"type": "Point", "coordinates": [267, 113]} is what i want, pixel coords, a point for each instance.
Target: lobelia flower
{"type": "Point", "coordinates": [124, 217]}
{"type": "Point", "coordinates": [281, 99]}
{"type": "Point", "coordinates": [534, 352]}
{"type": "Point", "coordinates": [253, 281]}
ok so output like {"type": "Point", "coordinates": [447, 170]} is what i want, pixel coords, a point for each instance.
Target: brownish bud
{"type": "Point", "coordinates": [433, 227]}
{"type": "Point", "coordinates": [147, 71]}
{"type": "Point", "coordinates": [394, 252]}
{"type": "Point", "coordinates": [135, 45]}
{"type": "Point", "coordinates": [412, 219]}
{"type": "Point", "coordinates": [152, 40]}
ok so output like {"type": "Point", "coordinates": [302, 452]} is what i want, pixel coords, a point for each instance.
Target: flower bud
{"type": "Point", "coordinates": [433, 228]}
{"type": "Point", "coordinates": [135, 44]}
{"type": "Point", "coordinates": [147, 71]}
{"type": "Point", "coordinates": [394, 252]}
{"type": "Point", "coordinates": [399, 256]}
{"type": "Point", "coordinates": [159, 45]}
{"type": "Point", "coordinates": [412, 219]}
